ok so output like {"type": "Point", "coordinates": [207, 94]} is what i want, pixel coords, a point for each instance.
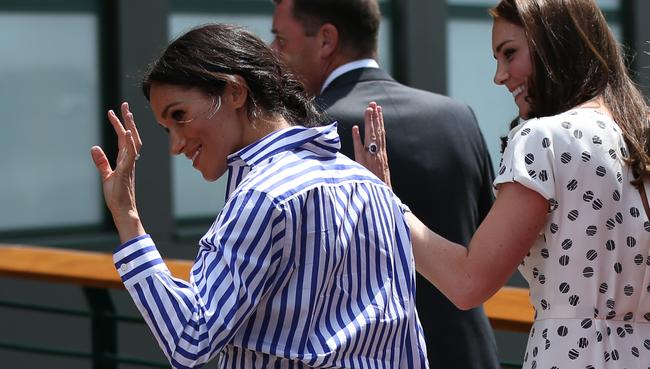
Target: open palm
{"type": "Point", "coordinates": [119, 184]}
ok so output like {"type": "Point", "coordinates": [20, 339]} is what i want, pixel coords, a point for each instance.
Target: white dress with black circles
{"type": "Point", "coordinates": [589, 269]}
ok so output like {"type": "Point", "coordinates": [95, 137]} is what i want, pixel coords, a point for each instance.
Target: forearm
{"type": "Point", "coordinates": [179, 327]}
{"type": "Point", "coordinates": [469, 276]}
{"type": "Point", "coordinates": [194, 321]}
{"type": "Point", "coordinates": [169, 306]}
{"type": "Point", "coordinates": [445, 265]}
{"type": "Point", "coordinates": [128, 226]}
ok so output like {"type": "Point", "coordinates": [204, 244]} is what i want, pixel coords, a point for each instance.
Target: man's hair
{"type": "Point", "coordinates": [357, 21]}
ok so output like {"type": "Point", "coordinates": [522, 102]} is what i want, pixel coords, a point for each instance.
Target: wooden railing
{"type": "Point", "coordinates": [509, 309]}
{"type": "Point", "coordinates": [83, 268]}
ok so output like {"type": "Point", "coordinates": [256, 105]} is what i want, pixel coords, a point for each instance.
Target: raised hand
{"type": "Point", "coordinates": [373, 155]}
{"type": "Point", "coordinates": [119, 183]}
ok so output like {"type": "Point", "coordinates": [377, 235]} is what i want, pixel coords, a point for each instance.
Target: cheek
{"type": "Point", "coordinates": [291, 46]}
{"type": "Point", "coordinates": [514, 69]}
{"type": "Point", "coordinates": [292, 58]}
{"type": "Point", "coordinates": [302, 52]}
{"type": "Point", "coordinates": [523, 67]}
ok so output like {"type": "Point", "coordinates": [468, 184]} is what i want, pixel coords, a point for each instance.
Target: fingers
{"type": "Point", "coordinates": [101, 162]}
{"type": "Point", "coordinates": [117, 125]}
{"type": "Point", "coordinates": [126, 145]}
{"type": "Point", "coordinates": [127, 116]}
{"type": "Point", "coordinates": [128, 155]}
{"type": "Point", "coordinates": [369, 123]}
{"type": "Point", "coordinates": [380, 130]}
{"type": "Point", "coordinates": [358, 145]}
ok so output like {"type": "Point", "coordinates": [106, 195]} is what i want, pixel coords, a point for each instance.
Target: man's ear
{"type": "Point", "coordinates": [328, 37]}
{"type": "Point", "coordinates": [236, 91]}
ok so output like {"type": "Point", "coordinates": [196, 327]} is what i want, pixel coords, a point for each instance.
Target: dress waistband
{"type": "Point", "coordinates": [609, 315]}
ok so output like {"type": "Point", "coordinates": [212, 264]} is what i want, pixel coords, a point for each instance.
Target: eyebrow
{"type": "Point", "coordinates": [500, 46]}
{"type": "Point", "coordinates": [166, 110]}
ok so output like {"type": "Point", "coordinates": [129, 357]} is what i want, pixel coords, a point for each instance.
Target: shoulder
{"type": "Point", "coordinates": [574, 127]}
{"type": "Point", "coordinates": [360, 85]}
{"type": "Point", "coordinates": [265, 177]}
{"type": "Point", "coordinates": [432, 106]}
{"type": "Point", "coordinates": [439, 108]}
{"type": "Point", "coordinates": [299, 172]}
{"type": "Point", "coordinates": [433, 97]}
{"type": "Point", "coordinates": [251, 197]}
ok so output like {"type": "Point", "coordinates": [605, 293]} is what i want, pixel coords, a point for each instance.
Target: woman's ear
{"type": "Point", "coordinates": [236, 91]}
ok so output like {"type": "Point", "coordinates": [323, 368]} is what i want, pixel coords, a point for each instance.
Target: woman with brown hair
{"type": "Point", "coordinates": [305, 265]}
{"type": "Point", "coordinates": [570, 192]}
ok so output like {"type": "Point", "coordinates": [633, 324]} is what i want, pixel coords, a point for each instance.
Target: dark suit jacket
{"type": "Point", "coordinates": [441, 169]}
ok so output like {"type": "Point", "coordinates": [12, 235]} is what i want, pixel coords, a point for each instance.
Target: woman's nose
{"type": "Point", "coordinates": [501, 75]}
{"type": "Point", "coordinates": [176, 143]}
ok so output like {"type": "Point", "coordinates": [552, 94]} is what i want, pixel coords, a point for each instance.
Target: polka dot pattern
{"type": "Point", "coordinates": [589, 270]}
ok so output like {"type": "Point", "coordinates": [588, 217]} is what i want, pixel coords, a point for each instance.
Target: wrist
{"type": "Point", "coordinates": [128, 226]}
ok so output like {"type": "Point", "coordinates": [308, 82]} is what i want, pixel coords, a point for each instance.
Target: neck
{"type": "Point", "coordinates": [261, 127]}
{"type": "Point", "coordinates": [330, 65]}
{"type": "Point", "coordinates": [597, 103]}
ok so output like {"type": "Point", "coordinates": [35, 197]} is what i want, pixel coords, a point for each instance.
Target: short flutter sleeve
{"type": "Point", "coordinates": [529, 158]}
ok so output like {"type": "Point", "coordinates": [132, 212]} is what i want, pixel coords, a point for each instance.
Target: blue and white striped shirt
{"type": "Point", "coordinates": [309, 264]}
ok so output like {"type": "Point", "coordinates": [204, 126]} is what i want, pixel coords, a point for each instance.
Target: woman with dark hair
{"type": "Point", "coordinates": [305, 264]}
{"type": "Point", "coordinates": [570, 204]}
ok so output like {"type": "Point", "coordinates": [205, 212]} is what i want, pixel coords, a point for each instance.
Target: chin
{"type": "Point", "coordinates": [211, 177]}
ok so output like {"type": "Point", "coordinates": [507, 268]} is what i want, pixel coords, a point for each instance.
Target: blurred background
{"type": "Point", "coordinates": [64, 63]}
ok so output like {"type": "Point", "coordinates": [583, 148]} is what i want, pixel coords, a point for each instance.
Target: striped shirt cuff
{"type": "Point", "coordinates": [137, 259]}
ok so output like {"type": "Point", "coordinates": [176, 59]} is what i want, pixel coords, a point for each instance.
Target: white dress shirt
{"type": "Point", "coordinates": [361, 63]}
{"type": "Point", "coordinates": [308, 264]}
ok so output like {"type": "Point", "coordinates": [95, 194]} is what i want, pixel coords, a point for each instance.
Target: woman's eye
{"type": "Point", "coordinates": [508, 53]}
{"type": "Point", "coordinates": [178, 115]}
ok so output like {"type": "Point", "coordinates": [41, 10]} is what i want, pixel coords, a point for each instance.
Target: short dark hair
{"type": "Point", "coordinates": [207, 56]}
{"type": "Point", "coordinates": [357, 21]}
{"type": "Point", "coordinates": [576, 58]}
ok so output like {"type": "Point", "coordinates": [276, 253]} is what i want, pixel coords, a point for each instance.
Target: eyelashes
{"type": "Point", "coordinates": [179, 117]}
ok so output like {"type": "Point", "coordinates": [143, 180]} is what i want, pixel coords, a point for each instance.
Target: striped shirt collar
{"type": "Point", "coordinates": [323, 141]}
